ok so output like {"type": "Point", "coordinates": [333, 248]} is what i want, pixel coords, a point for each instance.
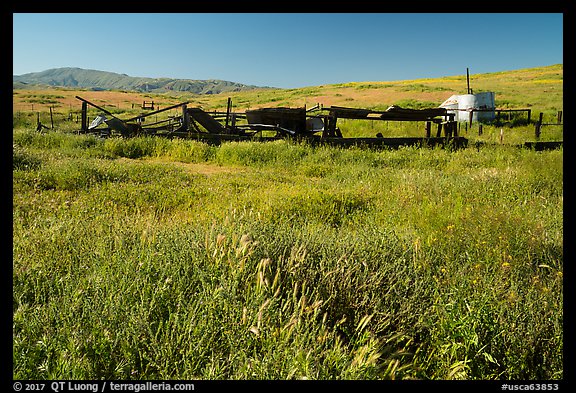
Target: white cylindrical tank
{"type": "Point", "coordinates": [462, 105]}
{"type": "Point", "coordinates": [467, 102]}
{"type": "Point", "coordinates": [485, 101]}
{"type": "Point", "coordinates": [451, 105]}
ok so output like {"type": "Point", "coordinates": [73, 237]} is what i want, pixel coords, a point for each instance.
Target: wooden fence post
{"type": "Point", "coordinates": [559, 117]}
{"type": "Point", "coordinates": [538, 126]}
{"type": "Point", "coordinates": [84, 124]}
{"type": "Point", "coordinates": [185, 118]}
{"type": "Point", "coordinates": [447, 131]}
{"type": "Point", "coordinates": [428, 129]}
{"type": "Point", "coordinates": [228, 108]}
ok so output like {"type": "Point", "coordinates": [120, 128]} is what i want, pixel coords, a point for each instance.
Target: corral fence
{"type": "Point", "coordinates": [551, 121]}
{"type": "Point", "coordinates": [47, 120]}
{"type": "Point", "coordinates": [540, 123]}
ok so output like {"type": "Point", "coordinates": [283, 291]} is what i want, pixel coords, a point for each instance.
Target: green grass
{"type": "Point", "coordinates": [149, 258]}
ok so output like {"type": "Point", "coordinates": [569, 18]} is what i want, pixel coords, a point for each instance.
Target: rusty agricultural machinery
{"type": "Point", "coordinates": [315, 125]}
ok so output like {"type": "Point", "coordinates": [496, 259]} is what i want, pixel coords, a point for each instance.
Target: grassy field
{"type": "Point", "coordinates": [150, 258]}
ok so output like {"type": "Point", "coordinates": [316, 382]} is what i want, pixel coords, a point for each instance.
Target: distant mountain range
{"type": "Point", "coordinates": [103, 80]}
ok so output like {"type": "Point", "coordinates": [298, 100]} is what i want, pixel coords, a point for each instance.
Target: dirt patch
{"type": "Point", "coordinates": [198, 168]}
{"type": "Point", "coordinates": [64, 100]}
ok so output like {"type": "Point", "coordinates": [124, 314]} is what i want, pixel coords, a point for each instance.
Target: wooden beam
{"type": "Point", "coordinates": [155, 112]}
{"type": "Point", "coordinates": [84, 123]}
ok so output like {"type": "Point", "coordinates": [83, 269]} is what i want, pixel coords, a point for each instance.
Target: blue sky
{"type": "Point", "coordinates": [287, 50]}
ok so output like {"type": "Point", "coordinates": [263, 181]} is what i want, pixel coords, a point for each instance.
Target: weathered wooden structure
{"type": "Point", "coordinates": [299, 123]}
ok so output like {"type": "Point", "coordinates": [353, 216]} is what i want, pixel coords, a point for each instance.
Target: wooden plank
{"type": "Point", "coordinates": [540, 145]}
{"type": "Point", "coordinates": [154, 112]}
{"type": "Point", "coordinates": [206, 121]}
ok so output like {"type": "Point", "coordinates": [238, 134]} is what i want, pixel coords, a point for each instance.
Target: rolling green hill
{"type": "Point", "coordinates": [102, 80]}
